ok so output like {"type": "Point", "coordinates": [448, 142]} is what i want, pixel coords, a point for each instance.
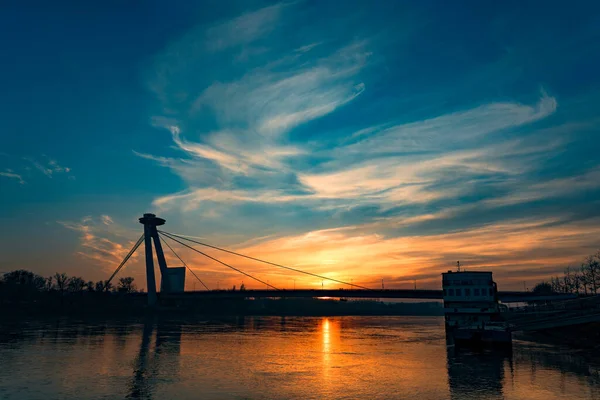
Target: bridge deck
{"type": "Point", "coordinates": [505, 297]}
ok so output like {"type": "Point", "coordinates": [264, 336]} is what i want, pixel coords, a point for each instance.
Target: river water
{"type": "Point", "coordinates": [277, 358]}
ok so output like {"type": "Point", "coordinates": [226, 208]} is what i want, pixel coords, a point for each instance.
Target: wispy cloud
{"type": "Point", "coordinates": [12, 175]}
{"type": "Point", "coordinates": [552, 188]}
{"type": "Point", "coordinates": [378, 178]}
{"type": "Point", "coordinates": [307, 47]}
{"type": "Point", "coordinates": [243, 29]}
{"type": "Point", "coordinates": [255, 113]}
{"type": "Point", "coordinates": [266, 104]}
{"type": "Point", "coordinates": [452, 130]}
{"type": "Point", "coordinates": [24, 169]}
{"type": "Point", "coordinates": [48, 166]}
{"type": "Point", "coordinates": [190, 200]}
{"type": "Point", "coordinates": [101, 241]}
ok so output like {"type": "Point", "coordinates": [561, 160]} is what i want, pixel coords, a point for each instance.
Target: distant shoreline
{"type": "Point", "coordinates": [131, 305]}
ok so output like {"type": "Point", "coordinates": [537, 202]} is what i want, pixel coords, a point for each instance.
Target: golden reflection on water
{"type": "Point", "coordinates": [325, 329]}
{"type": "Point", "coordinates": [326, 339]}
{"type": "Point", "coordinates": [330, 338]}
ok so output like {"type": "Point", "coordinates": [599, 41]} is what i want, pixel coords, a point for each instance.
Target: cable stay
{"type": "Point", "coordinates": [183, 262]}
{"type": "Point", "coordinates": [219, 261]}
{"type": "Point", "coordinates": [259, 260]}
{"type": "Point", "coordinates": [137, 244]}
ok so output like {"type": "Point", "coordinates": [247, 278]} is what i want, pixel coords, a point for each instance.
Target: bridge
{"type": "Point", "coordinates": [172, 285]}
{"type": "Point", "coordinates": [423, 294]}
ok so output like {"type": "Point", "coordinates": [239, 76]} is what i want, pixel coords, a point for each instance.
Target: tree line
{"type": "Point", "coordinates": [583, 280]}
{"type": "Point", "coordinates": [26, 281]}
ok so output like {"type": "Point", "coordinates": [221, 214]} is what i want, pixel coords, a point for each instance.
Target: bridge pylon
{"type": "Point", "coordinates": [150, 222]}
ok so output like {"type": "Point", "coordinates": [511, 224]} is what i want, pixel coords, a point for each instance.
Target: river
{"type": "Point", "coordinates": [277, 358]}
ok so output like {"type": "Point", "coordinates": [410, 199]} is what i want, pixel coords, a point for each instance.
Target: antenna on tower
{"type": "Point", "coordinates": [458, 265]}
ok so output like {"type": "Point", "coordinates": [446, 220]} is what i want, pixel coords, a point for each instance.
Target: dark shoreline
{"type": "Point", "coordinates": [99, 304]}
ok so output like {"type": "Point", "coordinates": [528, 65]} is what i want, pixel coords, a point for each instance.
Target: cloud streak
{"type": "Point", "coordinates": [378, 178]}
{"type": "Point", "coordinates": [101, 241]}
{"type": "Point", "coordinates": [48, 167]}
{"type": "Point", "coordinates": [452, 130]}
{"type": "Point", "coordinates": [12, 175]}
{"type": "Point", "coordinates": [243, 29]}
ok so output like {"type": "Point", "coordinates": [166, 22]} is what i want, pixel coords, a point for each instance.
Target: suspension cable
{"type": "Point", "coordinates": [183, 262]}
{"type": "Point", "coordinates": [137, 244]}
{"type": "Point", "coordinates": [265, 262]}
{"type": "Point", "coordinates": [219, 261]}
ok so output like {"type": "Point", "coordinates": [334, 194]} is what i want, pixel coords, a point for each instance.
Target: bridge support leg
{"type": "Point", "coordinates": [162, 262]}
{"type": "Point", "coordinates": [150, 279]}
{"type": "Point", "coordinates": [150, 222]}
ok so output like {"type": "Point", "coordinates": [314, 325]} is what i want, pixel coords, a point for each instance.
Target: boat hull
{"type": "Point", "coordinates": [480, 336]}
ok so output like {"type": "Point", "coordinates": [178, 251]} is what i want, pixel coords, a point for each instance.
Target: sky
{"type": "Point", "coordinates": [374, 141]}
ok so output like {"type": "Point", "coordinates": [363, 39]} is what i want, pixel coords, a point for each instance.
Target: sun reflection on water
{"type": "Point", "coordinates": [326, 336]}
{"type": "Point", "coordinates": [326, 348]}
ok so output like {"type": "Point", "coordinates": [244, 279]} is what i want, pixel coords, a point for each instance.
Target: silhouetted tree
{"type": "Point", "coordinates": [242, 287]}
{"type": "Point", "coordinates": [61, 281]}
{"type": "Point", "coordinates": [89, 285]}
{"type": "Point", "coordinates": [577, 281]}
{"type": "Point", "coordinates": [567, 281]}
{"type": "Point", "coordinates": [543, 288]}
{"type": "Point", "coordinates": [49, 284]}
{"type": "Point", "coordinates": [126, 285]}
{"type": "Point", "coordinates": [555, 284]}
{"type": "Point", "coordinates": [586, 279]}
{"type": "Point", "coordinates": [591, 270]}
{"type": "Point", "coordinates": [76, 284]}
{"type": "Point", "coordinates": [23, 281]}
{"type": "Point", "coordinates": [102, 286]}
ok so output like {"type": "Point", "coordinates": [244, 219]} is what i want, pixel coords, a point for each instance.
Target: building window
{"type": "Point", "coordinates": [476, 292]}
{"type": "Point", "coordinates": [491, 291]}
{"type": "Point", "coordinates": [458, 292]}
{"type": "Point", "coordinates": [467, 292]}
{"type": "Point", "coordinates": [451, 292]}
{"type": "Point", "coordinates": [444, 292]}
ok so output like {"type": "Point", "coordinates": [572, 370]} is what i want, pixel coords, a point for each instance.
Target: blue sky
{"type": "Point", "coordinates": [371, 141]}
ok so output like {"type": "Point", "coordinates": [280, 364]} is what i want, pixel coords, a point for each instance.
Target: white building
{"type": "Point", "coordinates": [471, 306]}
